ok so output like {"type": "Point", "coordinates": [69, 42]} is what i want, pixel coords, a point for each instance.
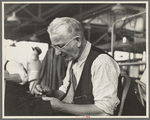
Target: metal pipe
{"type": "Point", "coordinates": [112, 31]}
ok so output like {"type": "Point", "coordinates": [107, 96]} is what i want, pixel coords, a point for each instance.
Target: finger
{"type": "Point", "coordinates": [39, 88]}
{"type": "Point", "coordinates": [46, 89]}
{"type": "Point", "coordinates": [37, 92]}
{"type": "Point", "coordinates": [46, 98]}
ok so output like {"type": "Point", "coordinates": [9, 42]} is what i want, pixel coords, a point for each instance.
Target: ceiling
{"type": "Point", "coordinates": [96, 18]}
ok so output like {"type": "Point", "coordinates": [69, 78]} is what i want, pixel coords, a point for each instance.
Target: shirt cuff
{"type": "Point", "coordinates": [63, 88]}
{"type": "Point", "coordinates": [105, 107]}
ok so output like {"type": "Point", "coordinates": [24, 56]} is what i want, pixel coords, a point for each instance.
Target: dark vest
{"type": "Point", "coordinates": [83, 93]}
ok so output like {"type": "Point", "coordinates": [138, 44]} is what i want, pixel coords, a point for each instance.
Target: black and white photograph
{"type": "Point", "coordinates": [75, 59]}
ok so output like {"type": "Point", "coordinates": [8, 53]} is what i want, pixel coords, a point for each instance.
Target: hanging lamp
{"type": "Point", "coordinates": [125, 44]}
{"type": "Point", "coordinates": [13, 17]}
{"type": "Point", "coordinates": [118, 9]}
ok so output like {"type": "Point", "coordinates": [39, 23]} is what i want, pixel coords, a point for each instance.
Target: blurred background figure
{"type": "Point", "coordinates": [34, 67]}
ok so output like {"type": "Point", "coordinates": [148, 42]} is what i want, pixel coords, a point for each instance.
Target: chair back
{"type": "Point", "coordinates": [124, 83]}
{"type": "Point", "coordinates": [132, 101]}
{"type": "Point", "coordinates": [140, 91]}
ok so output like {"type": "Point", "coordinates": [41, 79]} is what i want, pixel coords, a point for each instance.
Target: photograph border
{"type": "Point", "coordinates": [52, 2]}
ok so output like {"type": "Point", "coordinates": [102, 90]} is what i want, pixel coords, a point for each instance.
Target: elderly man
{"type": "Point", "coordinates": [90, 85]}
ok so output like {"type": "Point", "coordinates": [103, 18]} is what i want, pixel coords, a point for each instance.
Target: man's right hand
{"type": "Point", "coordinates": [43, 90]}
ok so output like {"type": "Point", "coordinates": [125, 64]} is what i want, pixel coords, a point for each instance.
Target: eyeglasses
{"type": "Point", "coordinates": [62, 47]}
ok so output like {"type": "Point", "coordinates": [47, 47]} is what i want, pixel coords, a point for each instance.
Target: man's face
{"type": "Point", "coordinates": [65, 45]}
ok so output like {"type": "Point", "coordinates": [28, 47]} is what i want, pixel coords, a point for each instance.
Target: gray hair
{"type": "Point", "coordinates": [72, 25]}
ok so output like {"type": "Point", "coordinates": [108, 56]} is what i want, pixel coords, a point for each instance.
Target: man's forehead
{"type": "Point", "coordinates": [60, 37]}
{"type": "Point", "coordinates": [62, 29]}
{"type": "Point", "coordinates": [57, 39]}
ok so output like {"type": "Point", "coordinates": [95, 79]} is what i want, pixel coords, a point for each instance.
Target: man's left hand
{"type": "Point", "coordinates": [55, 103]}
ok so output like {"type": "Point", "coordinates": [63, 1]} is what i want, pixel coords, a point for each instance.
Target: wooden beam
{"type": "Point", "coordinates": [134, 8]}
{"type": "Point", "coordinates": [35, 17]}
{"type": "Point", "coordinates": [58, 10]}
{"type": "Point", "coordinates": [97, 13]}
{"type": "Point", "coordinates": [18, 8]}
{"type": "Point", "coordinates": [52, 10]}
{"type": "Point", "coordinates": [40, 32]}
{"type": "Point", "coordinates": [89, 12]}
{"type": "Point", "coordinates": [9, 9]}
{"type": "Point", "coordinates": [100, 38]}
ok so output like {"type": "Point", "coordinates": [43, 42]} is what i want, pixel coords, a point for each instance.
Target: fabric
{"type": "Point", "coordinates": [19, 103]}
{"type": "Point", "coordinates": [53, 70]}
{"type": "Point", "coordinates": [14, 67]}
{"type": "Point", "coordinates": [19, 54]}
{"type": "Point", "coordinates": [105, 72]}
{"type": "Point", "coordinates": [72, 86]}
{"type": "Point", "coordinates": [144, 77]}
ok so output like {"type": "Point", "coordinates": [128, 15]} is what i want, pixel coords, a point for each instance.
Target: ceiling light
{"type": "Point", "coordinates": [118, 9]}
{"type": "Point", "coordinates": [13, 17]}
{"type": "Point", "coordinates": [125, 44]}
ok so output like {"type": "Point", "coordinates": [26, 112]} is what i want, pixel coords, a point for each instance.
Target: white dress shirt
{"type": "Point", "coordinates": [105, 72]}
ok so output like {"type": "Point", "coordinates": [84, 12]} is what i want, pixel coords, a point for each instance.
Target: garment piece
{"type": "Point", "coordinates": [19, 54]}
{"type": "Point", "coordinates": [19, 103]}
{"type": "Point", "coordinates": [105, 72]}
{"type": "Point", "coordinates": [144, 77]}
{"type": "Point", "coordinates": [53, 70]}
{"type": "Point", "coordinates": [14, 67]}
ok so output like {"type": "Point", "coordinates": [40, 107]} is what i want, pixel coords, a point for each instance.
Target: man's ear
{"type": "Point", "coordinates": [78, 39]}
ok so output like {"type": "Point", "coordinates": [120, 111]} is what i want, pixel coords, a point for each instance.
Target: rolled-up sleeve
{"type": "Point", "coordinates": [105, 73]}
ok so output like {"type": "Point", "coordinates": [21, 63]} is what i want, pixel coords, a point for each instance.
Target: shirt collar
{"type": "Point", "coordinates": [85, 53]}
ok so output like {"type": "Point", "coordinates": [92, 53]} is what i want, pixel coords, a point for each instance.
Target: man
{"type": "Point", "coordinates": [96, 73]}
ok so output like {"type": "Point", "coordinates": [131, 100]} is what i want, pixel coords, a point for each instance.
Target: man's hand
{"type": "Point", "coordinates": [42, 90]}
{"type": "Point", "coordinates": [47, 91]}
{"type": "Point", "coordinates": [55, 103]}
{"type": "Point", "coordinates": [38, 90]}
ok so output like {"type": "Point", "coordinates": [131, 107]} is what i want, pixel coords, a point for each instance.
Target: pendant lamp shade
{"type": "Point", "coordinates": [13, 17]}
{"type": "Point", "coordinates": [125, 44]}
{"type": "Point", "coordinates": [118, 9]}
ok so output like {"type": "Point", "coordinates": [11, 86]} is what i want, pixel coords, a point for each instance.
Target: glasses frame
{"type": "Point", "coordinates": [60, 49]}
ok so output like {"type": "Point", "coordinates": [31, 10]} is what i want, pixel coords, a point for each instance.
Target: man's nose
{"type": "Point", "coordinates": [57, 52]}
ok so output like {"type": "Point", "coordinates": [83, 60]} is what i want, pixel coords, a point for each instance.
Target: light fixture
{"type": "Point", "coordinates": [34, 38]}
{"type": "Point", "coordinates": [118, 9]}
{"type": "Point", "coordinates": [125, 44]}
{"type": "Point", "coordinates": [13, 17]}
{"type": "Point", "coordinates": [113, 27]}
